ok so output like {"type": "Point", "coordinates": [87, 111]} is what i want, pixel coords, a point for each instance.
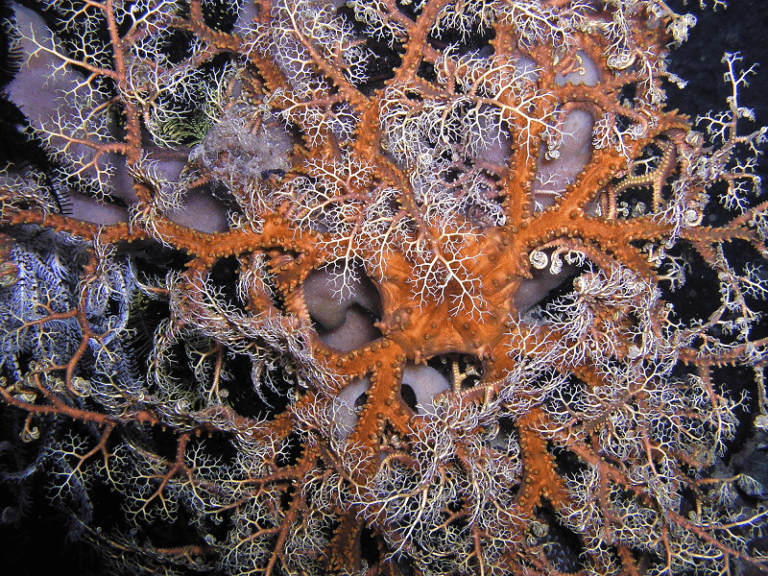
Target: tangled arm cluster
{"type": "Point", "coordinates": [382, 287]}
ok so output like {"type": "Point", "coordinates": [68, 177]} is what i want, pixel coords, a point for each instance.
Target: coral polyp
{"type": "Point", "coordinates": [383, 288]}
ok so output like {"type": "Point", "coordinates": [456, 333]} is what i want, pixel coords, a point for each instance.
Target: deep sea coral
{"type": "Point", "coordinates": [421, 287]}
